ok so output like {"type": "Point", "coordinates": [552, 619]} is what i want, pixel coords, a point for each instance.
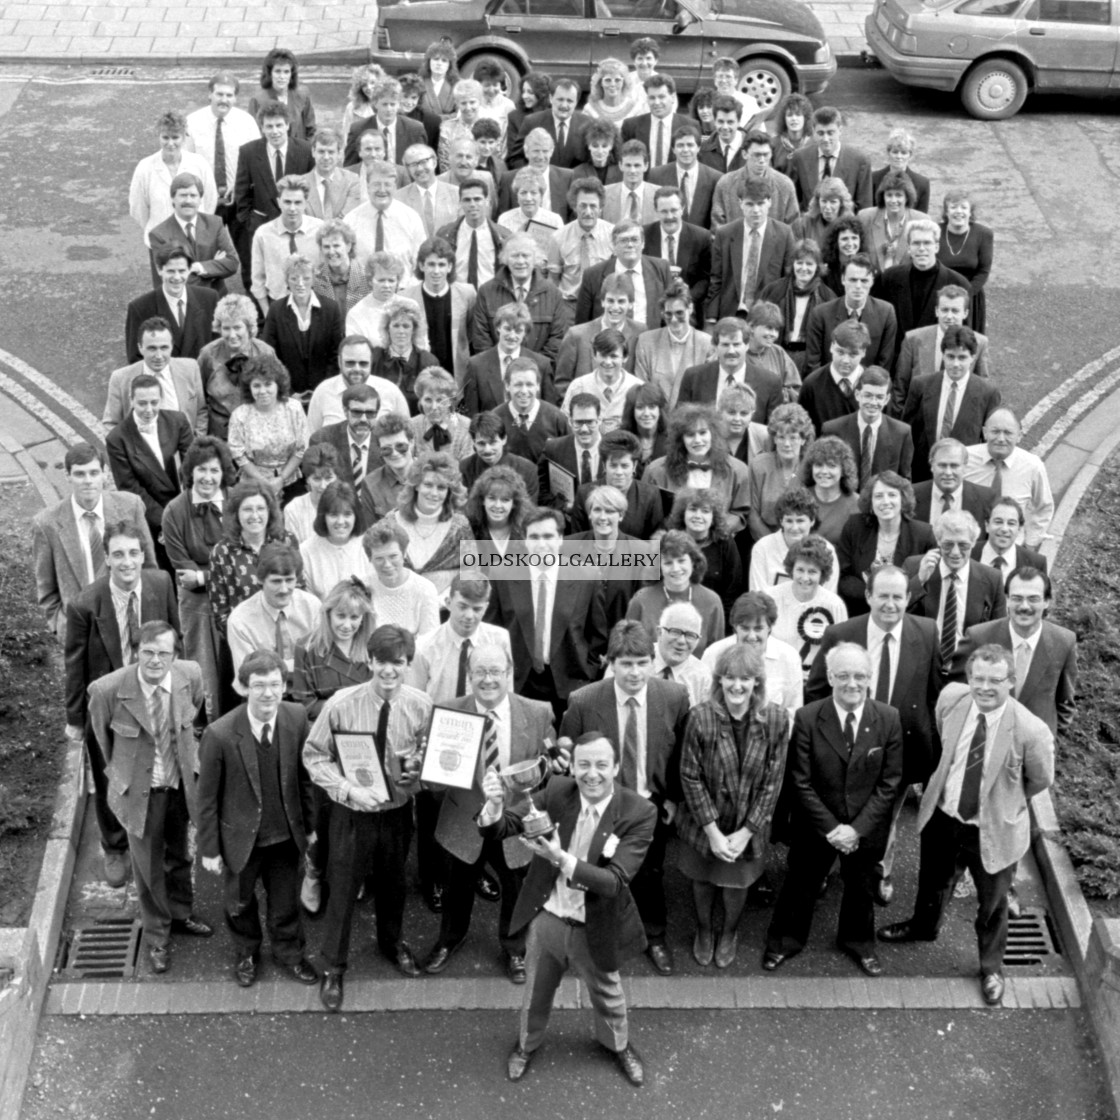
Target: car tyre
{"type": "Point", "coordinates": [767, 81]}
{"type": "Point", "coordinates": [994, 90]}
{"type": "Point", "coordinates": [512, 73]}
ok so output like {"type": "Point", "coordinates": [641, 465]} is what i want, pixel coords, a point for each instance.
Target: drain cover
{"type": "Point", "coordinates": [1030, 940]}
{"type": "Point", "coordinates": [103, 950]}
{"type": "Point", "coordinates": [113, 72]}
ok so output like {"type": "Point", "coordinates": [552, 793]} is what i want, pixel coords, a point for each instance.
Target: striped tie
{"type": "Point", "coordinates": [490, 743]}
{"type": "Point", "coordinates": [949, 621]}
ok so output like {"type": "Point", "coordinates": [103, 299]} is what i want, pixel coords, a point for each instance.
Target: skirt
{"type": "Point", "coordinates": [707, 869]}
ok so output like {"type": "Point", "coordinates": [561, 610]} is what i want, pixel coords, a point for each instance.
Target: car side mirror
{"type": "Point", "coordinates": [684, 18]}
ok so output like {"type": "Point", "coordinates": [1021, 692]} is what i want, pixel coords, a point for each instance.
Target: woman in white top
{"type": "Point", "coordinates": [334, 553]}
{"type": "Point", "coordinates": [529, 217]}
{"type": "Point", "coordinates": [400, 596]}
{"type": "Point", "coordinates": [796, 511]}
{"type": "Point", "coordinates": [319, 467]}
{"type": "Point", "coordinates": [615, 94]}
{"type": "Point", "coordinates": [384, 271]}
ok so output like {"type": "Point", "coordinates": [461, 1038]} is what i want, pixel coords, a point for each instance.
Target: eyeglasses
{"type": "Point", "coordinates": [955, 546]}
{"type": "Point", "coordinates": [395, 448]}
{"type": "Point", "coordinates": [849, 678]}
{"type": "Point", "coordinates": [369, 413]}
{"type": "Point", "coordinates": [487, 674]}
{"type": "Point", "coordinates": [985, 682]}
{"type": "Point", "coordinates": [584, 423]}
{"type": "Point", "coordinates": [687, 635]}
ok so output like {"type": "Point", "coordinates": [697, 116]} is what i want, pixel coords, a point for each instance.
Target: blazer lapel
{"type": "Point", "coordinates": [1001, 746]}
{"type": "Point", "coordinates": [134, 701]}
{"type": "Point", "coordinates": [829, 723]}
{"type": "Point", "coordinates": [604, 828]}
{"type": "Point", "coordinates": [247, 745]}
{"type": "Point", "coordinates": [736, 246]}
{"type": "Point", "coordinates": [109, 628]}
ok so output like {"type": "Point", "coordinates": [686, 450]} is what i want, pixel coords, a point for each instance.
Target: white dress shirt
{"type": "Point", "coordinates": [638, 280]}
{"type": "Point", "coordinates": [238, 128]}
{"type": "Point", "coordinates": [951, 793]}
{"type": "Point", "coordinates": [875, 636]}
{"type": "Point", "coordinates": [165, 763]}
{"type": "Point", "coordinates": [564, 901]}
{"type": "Point", "coordinates": [1025, 480]}
{"type": "Point", "coordinates": [544, 582]}
{"type": "Point", "coordinates": [83, 531]}
{"type": "Point", "coordinates": [169, 396]}
{"type": "Point", "coordinates": [962, 597]}
{"type": "Point", "coordinates": [120, 608]}
{"type": "Point", "coordinates": [842, 715]}
{"type": "Point", "coordinates": [943, 401]}
{"type": "Point", "coordinates": [485, 241]}
{"type": "Point", "coordinates": [937, 508]}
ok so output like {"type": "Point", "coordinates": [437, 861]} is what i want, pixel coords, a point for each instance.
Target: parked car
{"type": "Point", "coordinates": [995, 52]}
{"type": "Point", "coordinates": [779, 44]}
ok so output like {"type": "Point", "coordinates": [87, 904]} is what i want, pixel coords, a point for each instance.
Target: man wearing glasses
{"type": "Point", "coordinates": [352, 438]}
{"type": "Point", "coordinates": [678, 631]}
{"type": "Point", "coordinates": [650, 276]}
{"type": "Point", "coordinates": [355, 363]}
{"type": "Point", "coordinates": [994, 756]}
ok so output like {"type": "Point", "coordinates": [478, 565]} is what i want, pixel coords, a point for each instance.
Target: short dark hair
{"type": "Point", "coordinates": [260, 662]}
{"type": "Point", "coordinates": [544, 513]}
{"type": "Point", "coordinates": [751, 606]}
{"type": "Point", "coordinates": [338, 497]}
{"type": "Point", "coordinates": [278, 558]}
{"type": "Point", "coordinates": [390, 643]}
{"type": "Point", "coordinates": [594, 737]}
{"type": "Point", "coordinates": [629, 638]}
{"type": "Point", "coordinates": [487, 425]}
{"type": "Point", "coordinates": [960, 338]}
{"type": "Point", "coordinates": [122, 528]}
{"type": "Point", "coordinates": [1024, 571]}
{"type": "Point", "coordinates": [80, 454]}
{"type": "Point", "coordinates": [171, 253]}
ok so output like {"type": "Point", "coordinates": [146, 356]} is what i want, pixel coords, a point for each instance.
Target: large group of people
{"type": "Point", "coordinates": [479, 322]}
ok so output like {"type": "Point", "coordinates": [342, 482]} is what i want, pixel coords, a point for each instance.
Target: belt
{"type": "Point", "coordinates": [163, 789]}
{"type": "Point", "coordinates": [575, 923]}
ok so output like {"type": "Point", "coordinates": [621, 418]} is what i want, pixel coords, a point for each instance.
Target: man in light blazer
{"type": "Point", "coordinates": [1048, 686]}
{"type": "Point", "coordinates": [995, 756]}
{"type": "Point", "coordinates": [143, 719]}
{"type": "Point", "coordinates": [661, 356]}
{"type": "Point", "coordinates": [518, 730]}
{"type": "Point", "coordinates": [182, 375]}
{"type": "Point", "coordinates": [826, 157]}
{"type": "Point", "coordinates": [892, 448]}
{"type": "Point", "coordinates": [427, 193]}
{"type": "Point", "coordinates": [650, 758]}
{"type": "Point", "coordinates": [204, 236]}
{"type": "Point", "coordinates": [332, 191]}
{"type": "Point", "coordinates": [67, 539]}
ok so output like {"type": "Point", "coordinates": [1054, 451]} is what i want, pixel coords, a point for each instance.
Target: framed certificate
{"type": "Point", "coordinates": [361, 764]}
{"type": "Point", "coordinates": [562, 482]}
{"type": "Point", "coordinates": [454, 741]}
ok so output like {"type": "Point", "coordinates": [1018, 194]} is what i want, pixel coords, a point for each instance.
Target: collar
{"type": "Point", "coordinates": [599, 808]}
{"type": "Point", "coordinates": [876, 631]}
{"type": "Point", "coordinates": [147, 689]}
{"type": "Point", "coordinates": [621, 698]}
{"type": "Point", "coordinates": [991, 718]}
{"type": "Point", "coordinates": [857, 311]}
{"type": "Point", "coordinates": [864, 424]}
{"type": "Point", "coordinates": [120, 595]}
{"type": "Point", "coordinates": [183, 225]}
{"type": "Point", "coordinates": [943, 571]}
{"type": "Point", "coordinates": [852, 377]}
{"type": "Point", "coordinates": [842, 714]}
{"type": "Point", "coordinates": [172, 300]}
{"type": "Point", "coordinates": [274, 612]}
{"type": "Point", "coordinates": [502, 713]}
{"type": "Point", "coordinates": [218, 499]}
{"type": "Point", "coordinates": [163, 375]}
{"type": "Point", "coordinates": [961, 384]}
{"type": "Point", "coordinates": [357, 442]}
{"type": "Point", "coordinates": [1031, 642]}
{"type": "Point", "coordinates": [821, 157]}
{"type": "Point", "coordinates": [283, 230]}
{"type": "Point", "coordinates": [80, 513]}
{"type": "Point", "coordinates": [312, 302]}
{"type": "Point", "coordinates": [256, 726]}
{"type": "Point", "coordinates": [761, 231]}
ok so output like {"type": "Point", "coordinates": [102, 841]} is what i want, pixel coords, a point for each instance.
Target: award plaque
{"type": "Point", "coordinates": [454, 741]}
{"type": "Point", "coordinates": [562, 482]}
{"type": "Point", "coordinates": [361, 764]}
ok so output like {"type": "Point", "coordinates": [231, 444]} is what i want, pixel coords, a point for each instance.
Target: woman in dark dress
{"type": "Point", "coordinates": [280, 82]}
{"type": "Point", "coordinates": [703, 516]}
{"type": "Point", "coordinates": [966, 247]}
{"type": "Point", "coordinates": [796, 295]}
{"type": "Point", "coordinates": [645, 414]}
{"type": "Point", "coordinates": [604, 146]}
{"type": "Point", "coordinates": [403, 360]}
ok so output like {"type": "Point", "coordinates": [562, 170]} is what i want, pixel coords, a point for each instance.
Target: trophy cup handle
{"type": "Point", "coordinates": [543, 769]}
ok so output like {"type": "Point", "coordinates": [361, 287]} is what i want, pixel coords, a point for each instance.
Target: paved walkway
{"type": "Point", "coordinates": [155, 31]}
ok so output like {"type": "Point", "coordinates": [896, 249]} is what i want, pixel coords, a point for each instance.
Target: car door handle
{"type": "Point", "coordinates": [1038, 30]}
{"type": "Point", "coordinates": [612, 31]}
{"type": "Point", "coordinates": [512, 29]}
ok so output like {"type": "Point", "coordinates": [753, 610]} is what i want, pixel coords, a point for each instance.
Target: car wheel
{"type": "Point", "coordinates": [512, 73]}
{"type": "Point", "coordinates": [766, 81]}
{"type": "Point", "coordinates": [994, 90]}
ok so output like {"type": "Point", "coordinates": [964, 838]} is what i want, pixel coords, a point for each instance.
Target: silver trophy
{"type": "Point", "coordinates": [519, 781]}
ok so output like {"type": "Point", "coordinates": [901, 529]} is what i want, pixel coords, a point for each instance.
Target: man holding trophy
{"type": "Point", "coordinates": [588, 839]}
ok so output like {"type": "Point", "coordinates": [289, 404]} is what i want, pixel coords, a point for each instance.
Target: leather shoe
{"type": "Point", "coordinates": [515, 967]}
{"type": "Point", "coordinates": [869, 965]}
{"type": "Point", "coordinates": [726, 948]}
{"type": "Point", "coordinates": [773, 959]}
{"type": "Point", "coordinates": [991, 988]}
{"type": "Point", "coordinates": [661, 956]}
{"type": "Point", "coordinates": [405, 961]}
{"type": "Point", "coordinates": [160, 956]}
{"type": "Point", "coordinates": [903, 931]}
{"type": "Point", "coordinates": [439, 958]}
{"type": "Point", "coordinates": [115, 866]}
{"type": "Point", "coordinates": [192, 927]}
{"type": "Point", "coordinates": [433, 896]}
{"type": "Point", "coordinates": [245, 971]}
{"type": "Point", "coordinates": [518, 1062]}
{"type": "Point", "coordinates": [303, 971]}
{"type": "Point", "coordinates": [487, 887]}
{"type": "Point", "coordinates": [331, 991]}
{"type": "Point", "coordinates": [631, 1065]}
{"type": "Point", "coordinates": [884, 892]}
{"type": "Point", "coordinates": [703, 947]}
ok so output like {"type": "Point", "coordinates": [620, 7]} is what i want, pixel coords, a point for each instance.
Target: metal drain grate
{"type": "Point", "coordinates": [1030, 941]}
{"type": "Point", "coordinates": [103, 950]}
{"type": "Point", "coordinates": [113, 72]}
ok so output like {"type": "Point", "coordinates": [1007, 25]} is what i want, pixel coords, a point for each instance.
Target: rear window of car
{"type": "Point", "coordinates": [1071, 11]}
{"type": "Point", "coordinates": [542, 7]}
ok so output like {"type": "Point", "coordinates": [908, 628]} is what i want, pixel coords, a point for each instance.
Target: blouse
{"type": "Point", "coordinates": [268, 439]}
{"type": "Point", "coordinates": [299, 517]}
{"type": "Point", "coordinates": [458, 427]}
{"type": "Point", "coordinates": [435, 557]}
{"type": "Point", "coordinates": [326, 564]}
{"type": "Point", "coordinates": [833, 515]}
{"type": "Point", "coordinates": [315, 678]}
{"type": "Point", "coordinates": [766, 488]}
{"type": "Point", "coordinates": [220, 372]}
{"type": "Point", "coordinates": [233, 577]}
{"type": "Point", "coordinates": [403, 371]}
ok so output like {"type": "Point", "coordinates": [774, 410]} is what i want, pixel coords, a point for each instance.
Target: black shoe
{"type": "Point", "coordinates": [904, 931]}
{"type": "Point", "coordinates": [515, 967]}
{"type": "Point", "coordinates": [884, 892]}
{"type": "Point", "coordinates": [433, 896]}
{"type": "Point", "coordinates": [991, 988]}
{"type": "Point", "coordinates": [773, 959]}
{"type": "Point", "coordinates": [487, 887]}
{"type": "Point", "coordinates": [331, 991]}
{"type": "Point", "coordinates": [440, 957]}
{"type": "Point", "coordinates": [868, 963]}
{"type": "Point", "coordinates": [405, 961]}
{"type": "Point", "coordinates": [518, 1063]}
{"type": "Point", "coordinates": [303, 971]}
{"type": "Point", "coordinates": [245, 971]}
{"type": "Point", "coordinates": [160, 956]}
{"type": "Point", "coordinates": [192, 927]}
{"type": "Point", "coordinates": [631, 1065]}
{"type": "Point", "coordinates": [661, 957]}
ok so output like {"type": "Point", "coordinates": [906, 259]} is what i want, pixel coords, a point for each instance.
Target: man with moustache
{"type": "Point", "coordinates": [352, 438]}
{"type": "Point", "coordinates": [355, 363]}
{"type": "Point", "coordinates": [203, 235]}
{"type": "Point", "coordinates": [488, 434]}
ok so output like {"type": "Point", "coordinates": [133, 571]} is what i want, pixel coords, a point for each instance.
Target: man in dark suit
{"type": "Point", "coordinates": [847, 767]}
{"type": "Point", "coordinates": [946, 584]}
{"type": "Point", "coordinates": [577, 455]}
{"type": "Point", "coordinates": [538, 149]}
{"type": "Point", "coordinates": [829, 392]}
{"type": "Point", "coordinates": [557, 626]}
{"type": "Point", "coordinates": [488, 433]}
{"type": "Point", "coordinates": [685, 248]}
{"type": "Point", "coordinates": [906, 673]}
{"type": "Point", "coordinates": [702, 384]}
{"type": "Point", "coordinates": [352, 438]}
{"type": "Point", "coordinates": [911, 288]}
{"type": "Point", "coordinates": [484, 383]}
{"type": "Point", "coordinates": [995, 756]}
{"type": "Point", "coordinates": [747, 254]}
{"type": "Point", "coordinates": [254, 813]}
{"type": "Point", "coordinates": [142, 716]}
{"type": "Point", "coordinates": [649, 275]}
{"type": "Point", "coordinates": [646, 716]}
{"type": "Point", "coordinates": [1000, 551]}
{"type": "Point", "coordinates": [478, 205]}
{"type": "Point", "coordinates": [697, 181]}
{"type": "Point", "coordinates": [620, 452]}
{"type": "Point", "coordinates": [948, 490]}
{"type": "Point", "coordinates": [186, 308]}
{"type": "Point", "coordinates": [877, 442]}
{"type": "Point", "coordinates": [387, 117]}
{"type": "Point", "coordinates": [204, 236]}
{"type": "Point", "coordinates": [723, 150]}
{"type": "Point", "coordinates": [562, 122]}
{"type": "Point", "coordinates": [855, 305]}
{"type": "Point", "coordinates": [954, 402]}
{"type": "Point", "coordinates": [1044, 653]}
{"type": "Point", "coordinates": [530, 422]}
{"type": "Point", "coordinates": [825, 158]}
{"type": "Point", "coordinates": [131, 447]}
{"type": "Point", "coordinates": [657, 128]}
{"type": "Point", "coordinates": [576, 900]}
{"type": "Point", "coordinates": [517, 730]}
{"type": "Point", "coordinates": [102, 634]}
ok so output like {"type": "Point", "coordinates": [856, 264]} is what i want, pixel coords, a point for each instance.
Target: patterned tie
{"type": "Point", "coordinates": [379, 233]}
{"type": "Point", "coordinates": [950, 412]}
{"type": "Point", "coordinates": [632, 209]}
{"type": "Point", "coordinates": [671, 250]}
{"type": "Point", "coordinates": [181, 313]}
{"type": "Point", "coordinates": [946, 501]}
{"type": "Point", "coordinates": [585, 467]}
{"type": "Point", "coordinates": [866, 454]}
{"type": "Point", "coordinates": [490, 757]}
{"type": "Point", "coordinates": [584, 253]}
{"type": "Point", "coordinates": [133, 628]}
{"type": "Point", "coordinates": [949, 620]}
{"type": "Point", "coordinates": [472, 261]}
{"type": "Point", "coordinates": [750, 280]}
{"type": "Point", "coordinates": [883, 684]}
{"type": "Point", "coordinates": [190, 239]}
{"type": "Point", "coordinates": [632, 273]}
{"type": "Point", "coordinates": [157, 713]}
{"type": "Point", "coordinates": [1022, 665]}
{"type": "Point", "coordinates": [464, 664]}
{"type": "Point", "coordinates": [387, 136]}
{"type": "Point", "coordinates": [519, 293]}
{"type": "Point", "coordinates": [277, 167]}
{"type": "Point", "coordinates": [429, 214]}
{"type": "Point", "coordinates": [357, 462]}
{"type": "Point", "coordinates": [969, 804]}
{"type": "Point", "coordinates": [96, 544]}
{"type": "Point", "coordinates": [685, 203]}
{"type": "Point", "coordinates": [220, 171]}
{"type": "Point", "coordinates": [629, 773]}
{"type": "Point", "coordinates": [846, 388]}
{"type": "Point", "coordinates": [850, 732]}
{"type": "Point", "coordinates": [540, 624]}
{"type": "Point", "coordinates": [283, 637]}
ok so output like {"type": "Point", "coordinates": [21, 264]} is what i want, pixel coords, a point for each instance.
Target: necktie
{"type": "Point", "coordinates": [659, 145]}
{"type": "Point", "coordinates": [1022, 665]}
{"type": "Point", "coordinates": [846, 388]}
{"type": "Point", "coordinates": [667, 673]}
{"type": "Point", "coordinates": [379, 233]}
{"type": "Point", "coordinates": [523, 421]}
{"type": "Point", "coordinates": [278, 167]}
{"type": "Point", "coordinates": [133, 624]}
{"type": "Point", "coordinates": [999, 563]}
{"type": "Point", "coordinates": [828, 167]}
{"type": "Point", "coordinates": [585, 467]}
{"type": "Point", "coordinates": [607, 394]}
{"type": "Point", "coordinates": [357, 462]}
{"type": "Point", "coordinates": [850, 732]}
{"type": "Point", "coordinates": [283, 637]}
{"type": "Point", "coordinates": [561, 135]}
{"type": "Point", "coordinates": [472, 261]}
{"type": "Point", "coordinates": [220, 179]}
{"type": "Point", "coordinates": [381, 735]}
{"type": "Point", "coordinates": [946, 501]}
{"type": "Point", "coordinates": [157, 713]}
{"type": "Point", "coordinates": [292, 247]}
{"type": "Point", "coordinates": [997, 477]}
{"type": "Point", "coordinates": [629, 773]}
{"type": "Point", "coordinates": [950, 412]}
{"type": "Point", "coordinates": [633, 280]}
{"type": "Point", "coordinates": [540, 624]}
{"type": "Point", "coordinates": [326, 188]}
{"type": "Point", "coordinates": [519, 292]}
{"type": "Point", "coordinates": [583, 834]}
{"type": "Point", "coordinates": [632, 210]}
{"type": "Point", "coordinates": [464, 663]}
{"type": "Point", "coordinates": [866, 453]}
{"type": "Point", "coordinates": [96, 544]}
{"type": "Point", "coordinates": [430, 215]}
{"type": "Point", "coordinates": [584, 253]}
{"type": "Point", "coordinates": [265, 739]}
{"type": "Point", "coordinates": [750, 282]}
{"type": "Point", "coordinates": [883, 684]}
{"type": "Point", "coordinates": [969, 804]}
{"type": "Point", "coordinates": [190, 239]}
{"type": "Point", "coordinates": [385, 135]}
{"type": "Point", "coordinates": [685, 203]}
{"type": "Point", "coordinates": [671, 250]}
{"type": "Point", "coordinates": [949, 620]}
{"type": "Point", "coordinates": [727, 157]}
{"type": "Point", "coordinates": [181, 310]}
{"type": "Point", "coordinates": [490, 743]}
